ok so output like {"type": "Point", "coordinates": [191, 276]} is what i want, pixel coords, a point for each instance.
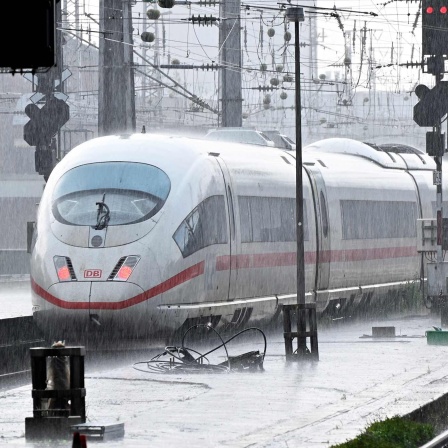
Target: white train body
{"type": "Point", "coordinates": [204, 231]}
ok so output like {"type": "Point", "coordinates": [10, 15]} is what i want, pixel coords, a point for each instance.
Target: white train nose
{"type": "Point", "coordinates": [113, 309]}
{"type": "Point", "coordinates": [95, 295]}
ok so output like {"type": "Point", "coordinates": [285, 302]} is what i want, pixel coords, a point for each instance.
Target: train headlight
{"type": "Point", "coordinates": [64, 269]}
{"type": "Point", "coordinates": [124, 268]}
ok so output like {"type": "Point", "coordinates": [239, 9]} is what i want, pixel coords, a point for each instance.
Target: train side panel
{"type": "Point", "coordinates": [374, 232]}
{"type": "Point", "coordinates": [221, 248]}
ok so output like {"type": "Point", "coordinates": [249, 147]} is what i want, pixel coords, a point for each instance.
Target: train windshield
{"type": "Point", "coordinates": [133, 192]}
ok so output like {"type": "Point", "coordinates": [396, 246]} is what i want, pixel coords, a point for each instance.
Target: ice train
{"type": "Point", "coordinates": [140, 235]}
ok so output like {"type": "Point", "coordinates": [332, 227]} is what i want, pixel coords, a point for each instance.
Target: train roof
{"type": "Point", "coordinates": [159, 149]}
{"type": "Point", "coordinates": [333, 153]}
{"type": "Point", "coordinates": [393, 156]}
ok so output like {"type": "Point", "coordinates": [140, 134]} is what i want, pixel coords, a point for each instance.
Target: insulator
{"type": "Point", "coordinates": [175, 62]}
{"type": "Point", "coordinates": [267, 99]}
{"type": "Point", "coordinates": [265, 88]}
{"type": "Point", "coordinates": [271, 32]}
{"type": "Point", "coordinates": [206, 21]}
{"type": "Point", "coordinates": [279, 68]}
{"type": "Point", "coordinates": [338, 18]}
{"type": "Point", "coordinates": [266, 106]}
{"type": "Point", "coordinates": [322, 77]}
{"type": "Point", "coordinates": [283, 95]}
{"type": "Point", "coordinates": [245, 115]}
{"type": "Point", "coordinates": [153, 14]}
{"type": "Point", "coordinates": [263, 67]}
{"type": "Point", "coordinates": [274, 81]}
{"type": "Point", "coordinates": [287, 36]}
{"type": "Point", "coordinates": [288, 78]}
{"type": "Point", "coordinates": [147, 36]}
{"type": "Point", "coordinates": [211, 66]}
{"type": "Point", "coordinates": [207, 3]}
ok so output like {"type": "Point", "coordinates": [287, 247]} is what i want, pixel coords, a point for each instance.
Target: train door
{"type": "Point", "coordinates": [426, 202]}
{"type": "Point", "coordinates": [224, 263]}
{"type": "Point", "coordinates": [323, 243]}
{"type": "Point", "coordinates": [264, 250]}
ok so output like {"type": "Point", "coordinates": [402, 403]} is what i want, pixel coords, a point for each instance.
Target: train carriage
{"type": "Point", "coordinates": [139, 235]}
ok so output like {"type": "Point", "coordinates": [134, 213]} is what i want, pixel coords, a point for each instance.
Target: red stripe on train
{"type": "Point", "coordinates": [382, 253]}
{"type": "Point", "coordinates": [236, 262]}
{"type": "Point", "coordinates": [224, 262]}
{"type": "Point", "coordinates": [181, 277]}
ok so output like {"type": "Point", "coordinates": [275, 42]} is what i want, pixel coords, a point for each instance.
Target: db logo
{"type": "Point", "coordinates": [92, 273]}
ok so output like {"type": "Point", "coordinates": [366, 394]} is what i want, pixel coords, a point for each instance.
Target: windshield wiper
{"type": "Point", "coordinates": [103, 216]}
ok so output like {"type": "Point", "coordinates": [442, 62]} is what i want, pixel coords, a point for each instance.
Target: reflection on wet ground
{"type": "Point", "coordinates": [357, 380]}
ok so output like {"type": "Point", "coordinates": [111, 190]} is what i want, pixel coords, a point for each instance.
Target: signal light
{"type": "Point", "coordinates": [45, 122]}
{"type": "Point", "coordinates": [434, 27]}
{"type": "Point", "coordinates": [432, 105]}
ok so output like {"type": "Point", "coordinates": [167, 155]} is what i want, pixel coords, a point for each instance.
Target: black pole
{"type": "Point", "coordinates": [301, 316]}
{"type": "Point", "coordinates": [296, 15]}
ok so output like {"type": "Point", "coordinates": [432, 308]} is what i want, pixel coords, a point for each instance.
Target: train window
{"type": "Point", "coordinates": [204, 226]}
{"type": "Point", "coordinates": [269, 219]}
{"type": "Point", "coordinates": [133, 192]}
{"type": "Point", "coordinates": [378, 219]}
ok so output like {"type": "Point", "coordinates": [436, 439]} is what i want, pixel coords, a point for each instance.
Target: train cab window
{"type": "Point", "coordinates": [378, 219]}
{"type": "Point", "coordinates": [269, 219]}
{"type": "Point", "coordinates": [204, 226]}
{"type": "Point", "coordinates": [132, 192]}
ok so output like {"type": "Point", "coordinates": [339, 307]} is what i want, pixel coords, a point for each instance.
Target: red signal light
{"type": "Point", "coordinates": [429, 10]}
{"type": "Point", "coordinates": [443, 10]}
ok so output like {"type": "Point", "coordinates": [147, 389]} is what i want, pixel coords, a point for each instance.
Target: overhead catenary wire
{"type": "Point", "coordinates": [384, 16]}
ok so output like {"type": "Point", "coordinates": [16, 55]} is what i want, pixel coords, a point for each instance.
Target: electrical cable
{"type": "Point", "coordinates": [185, 360]}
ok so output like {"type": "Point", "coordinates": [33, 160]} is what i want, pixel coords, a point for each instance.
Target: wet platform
{"type": "Point", "coordinates": [358, 380]}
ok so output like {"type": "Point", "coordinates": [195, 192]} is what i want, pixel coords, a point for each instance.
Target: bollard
{"type": "Point", "coordinates": [309, 314]}
{"type": "Point", "coordinates": [58, 391]}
